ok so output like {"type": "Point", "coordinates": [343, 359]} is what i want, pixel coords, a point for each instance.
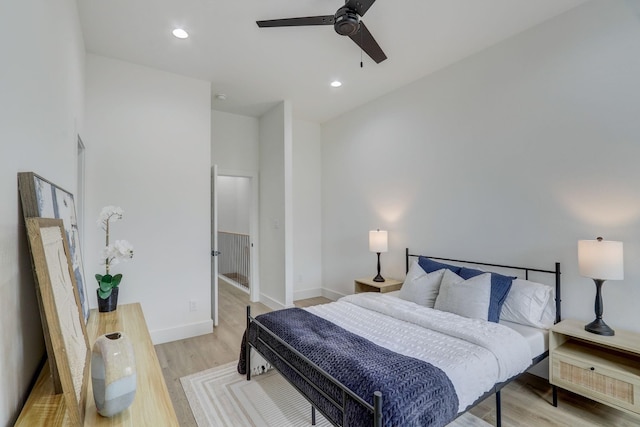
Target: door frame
{"type": "Point", "coordinates": [80, 193]}
{"type": "Point", "coordinates": [254, 227]}
{"type": "Point", "coordinates": [214, 245]}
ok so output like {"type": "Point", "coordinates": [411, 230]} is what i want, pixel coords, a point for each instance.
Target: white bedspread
{"type": "Point", "coordinates": [473, 353]}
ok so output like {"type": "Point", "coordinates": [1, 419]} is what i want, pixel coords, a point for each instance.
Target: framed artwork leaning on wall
{"type": "Point", "coordinates": [60, 309]}
{"type": "Point", "coordinates": [42, 198]}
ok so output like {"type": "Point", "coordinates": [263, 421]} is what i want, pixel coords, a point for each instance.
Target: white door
{"type": "Point", "coordinates": [214, 246]}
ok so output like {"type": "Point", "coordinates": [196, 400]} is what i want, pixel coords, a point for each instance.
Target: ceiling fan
{"type": "Point", "coordinates": [346, 22]}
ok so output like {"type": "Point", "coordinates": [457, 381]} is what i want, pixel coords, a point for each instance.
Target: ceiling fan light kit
{"type": "Point", "coordinates": [346, 22]}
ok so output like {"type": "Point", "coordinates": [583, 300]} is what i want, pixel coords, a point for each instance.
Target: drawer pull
{"type": "Point", "coordinates": [593, 369]}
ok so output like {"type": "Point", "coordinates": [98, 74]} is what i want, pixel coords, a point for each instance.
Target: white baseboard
{"type": "Point", "coordinates": [271, 303]}
{"type": "Point", "coordinates": [160, 336]}
{"type": "Point", "coordinates": [307, 293]}
{"type": "Point", "coordinates": [331, 294]}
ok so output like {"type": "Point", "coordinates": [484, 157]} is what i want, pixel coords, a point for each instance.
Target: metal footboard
{"type": "Point", "coordinates": [375, 409]}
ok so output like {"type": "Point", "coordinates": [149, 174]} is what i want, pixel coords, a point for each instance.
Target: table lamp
{"type": "Point", "coordinates": [378, 244]}
{"type": "Point", "coordinates": [600, 260]}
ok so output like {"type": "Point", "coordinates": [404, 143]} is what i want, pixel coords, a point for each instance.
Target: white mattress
{"type": "Point", "coordinates": [538, 339]}
{"type": "Point", "coordinates": [474, 354]}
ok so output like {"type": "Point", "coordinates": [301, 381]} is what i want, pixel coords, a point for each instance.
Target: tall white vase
{"type": "Point", "coordinates": [113, 373]}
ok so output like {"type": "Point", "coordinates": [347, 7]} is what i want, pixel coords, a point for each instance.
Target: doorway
{"type": "Point", "coordinates": [234, 229]}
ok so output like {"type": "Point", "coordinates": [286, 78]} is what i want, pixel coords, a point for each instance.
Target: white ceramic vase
{"type": "Point", "coordinates": [113, 373]}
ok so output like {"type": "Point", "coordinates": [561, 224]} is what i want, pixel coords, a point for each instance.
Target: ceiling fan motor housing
{"type": "Point", "coordinates": [346, 22]}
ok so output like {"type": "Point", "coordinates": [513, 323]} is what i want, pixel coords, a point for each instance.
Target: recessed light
{"type": "Point", "coordinates": [180, 33]}
{"type": "Point", "coordinates": [336, 83]}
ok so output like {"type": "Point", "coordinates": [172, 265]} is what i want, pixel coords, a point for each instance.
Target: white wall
{"type": "Point", "coordinates": [307, 208]}
{"type": "Point", "coordinates": [234, 142]}
{"type": "Point", "coordinates": [511, 156]}
{"type": "Point", "coordinates": [276, 242]}
{"type": "Point", "coordinates": [148, 139]}
{"type": "Point", "coordinates": [41, 112]}
{"type": "Point", "coordinates": [236, 147]}
{"type": "Point", "coordinates": [234, 204]}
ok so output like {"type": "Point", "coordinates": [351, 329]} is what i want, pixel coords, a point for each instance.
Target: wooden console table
{"type": "Point", "coordinates": [152, 404]}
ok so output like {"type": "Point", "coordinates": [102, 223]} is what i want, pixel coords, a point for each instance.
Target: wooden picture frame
{"type": "Point", "coordinates": [44, 199]}
{"type": "Point", "coordinates": [60, 307]}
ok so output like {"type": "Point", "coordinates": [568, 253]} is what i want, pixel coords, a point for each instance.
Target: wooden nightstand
{"type": "Point", "coordinates": [605, 369]}
{"type": "Point", "coordinates": [368, 285]}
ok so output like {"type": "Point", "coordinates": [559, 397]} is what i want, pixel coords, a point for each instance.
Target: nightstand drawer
{"type": "Point", "coordinates": [608, 376]}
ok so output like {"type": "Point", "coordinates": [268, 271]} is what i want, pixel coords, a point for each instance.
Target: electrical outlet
{"type": "Point", "coordinates": [193, 305]}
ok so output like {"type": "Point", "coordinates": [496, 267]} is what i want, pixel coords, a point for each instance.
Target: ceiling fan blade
{"type": "Point", "coordinates": [297, 22]}
{"type": "Point", "coordinates": [360, 6]}
{"type": "Point", "coordinates": [365, 40]}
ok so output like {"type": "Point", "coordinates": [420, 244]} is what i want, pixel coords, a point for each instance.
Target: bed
{"type": "Point", "coordinates": [419, 364]}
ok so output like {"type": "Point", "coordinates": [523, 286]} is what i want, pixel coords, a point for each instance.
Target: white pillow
{"type": "Point", "coordinates": [468, 298]}
{"type": "Point", "coordinates": [529, 303]}
{"type": "Point", "coordinates": [549, 314]}
{"type": "Point", "coordinates": [421, 287]}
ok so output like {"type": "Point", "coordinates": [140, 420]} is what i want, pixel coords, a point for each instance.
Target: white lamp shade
{"type": "Point", "coordinates": [600, 259]}
{"type": "Point", "coordinates": [378, 241]}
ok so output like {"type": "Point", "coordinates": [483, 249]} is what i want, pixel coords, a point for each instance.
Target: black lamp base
{"type": "Point", "coordinates": [599, 327]}
{"type": "Point", "coordinates": [378, 278]}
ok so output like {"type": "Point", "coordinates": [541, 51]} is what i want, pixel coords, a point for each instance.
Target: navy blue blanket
{"type": "Point", "coordinates": [414, 393]}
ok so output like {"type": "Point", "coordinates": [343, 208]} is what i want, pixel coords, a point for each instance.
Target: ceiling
{"type": "Point", "coordinates": [257, 68]}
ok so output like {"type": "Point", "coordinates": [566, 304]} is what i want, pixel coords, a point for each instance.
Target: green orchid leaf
{"type": "Point", "coordinates": [106, 283]}
{"type": "Point", "coordinates": [116, 280]}
{"type": "Point", "coordinates": [104, 294]}
{"type": "Point", "coordinates": [105, 287]}
{"type": "Point", "coordinates": [99, 277]}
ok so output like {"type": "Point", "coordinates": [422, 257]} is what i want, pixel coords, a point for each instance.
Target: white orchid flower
{"type": "Point", "coordinates": [121, 250]}
{"type": "Point", "coordinates": [109, 214]}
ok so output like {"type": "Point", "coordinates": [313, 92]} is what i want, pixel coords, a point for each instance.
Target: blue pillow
{"type": "Point", "coordinates": [500, 286]}
{"type": "Point", "coordinates": [429, 265]}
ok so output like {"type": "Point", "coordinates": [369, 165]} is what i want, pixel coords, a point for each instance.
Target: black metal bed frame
{"type": "Point", "coordinates": [376, 408]}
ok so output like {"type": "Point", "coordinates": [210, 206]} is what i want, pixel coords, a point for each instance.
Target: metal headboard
{"type": "Point", "coordinates": [526, 270]}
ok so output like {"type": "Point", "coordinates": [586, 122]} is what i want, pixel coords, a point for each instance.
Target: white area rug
{"type": "Point", "coordinates": [221, 397]}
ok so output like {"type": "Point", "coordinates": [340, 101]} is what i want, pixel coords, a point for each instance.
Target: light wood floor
{"type": "Point", "coordinates": [525, 402]}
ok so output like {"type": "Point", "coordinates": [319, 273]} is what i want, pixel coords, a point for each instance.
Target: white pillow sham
{"type": "Point", "coordinates": [529, 303]}
{"type": "Point", "coordinates": [468, 298]}
{"type": "Point", "coordinates": [421, 287]}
